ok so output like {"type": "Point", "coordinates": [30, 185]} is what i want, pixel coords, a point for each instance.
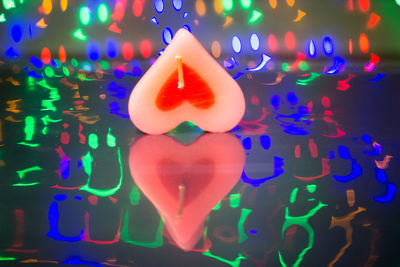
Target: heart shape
{"type": "Point", "coordinates": [196, 91]}
{"type": "Point", "coordinates": [184, 183]}
{"type": "Point", "coordinates": [186, 84]}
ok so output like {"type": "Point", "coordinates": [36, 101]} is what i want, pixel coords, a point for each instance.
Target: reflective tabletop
{"type": "Point", "coordinates": [309, 177]}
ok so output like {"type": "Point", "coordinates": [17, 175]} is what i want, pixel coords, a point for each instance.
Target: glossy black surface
{"type": "Point", "coordinates": [340, 156]}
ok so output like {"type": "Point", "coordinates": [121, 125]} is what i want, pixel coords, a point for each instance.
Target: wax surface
{"type": "Point", "coordinates": [196, 91]}
{"type": "Point", "coordinates": [210, 98]}
{"type": "Point", "coordinates": [208, 169]}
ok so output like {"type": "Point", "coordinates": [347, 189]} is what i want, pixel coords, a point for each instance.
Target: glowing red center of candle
{"type": "Point", "coordinates": [196, 91]}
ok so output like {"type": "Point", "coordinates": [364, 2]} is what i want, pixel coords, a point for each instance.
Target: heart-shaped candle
{"type": "Point", "coordinates": [184, 183]}
{"type": "Point", "coordinates": [186, 84]}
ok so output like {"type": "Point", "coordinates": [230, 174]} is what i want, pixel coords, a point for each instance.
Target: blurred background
{"type": "Point", "coordinates": [135, 29]}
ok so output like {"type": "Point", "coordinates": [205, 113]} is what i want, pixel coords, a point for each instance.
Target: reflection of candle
{"type": "Point", "coordinates": [186, 84]}
{"type": "Point", "coordinates": [184, 183]}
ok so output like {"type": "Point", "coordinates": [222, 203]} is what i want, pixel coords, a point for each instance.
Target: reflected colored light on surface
{"type": "Point", "coordinates": [397, 2]}
{"type": "Point", "coordinates": [345, 223]}
{"type": "Point", "coordinates": [111, 140]}
{"type": "Point", "coordinates": [158, 239]}
{"type": "Point", "coordinates": [290, 41]}
{"type": "Point", "coordinates": [307, 81]}
{"type": "Point", "coordinates": [53, 216]}
{"type": "Point", "coordinates": [293, 195]}
{"type": "Point", "coordinates": [7, 258]}
{"type": "Point", "coordinates": [62, 55]}
{"type": "Point", "coordinates": [218, 206]}
{"type": "Point", "coordinates": [134, 196]}
{"type": "Point", "coordinates": [311, 188]}
{"type": "Point", "coordinates": [21, 173]}
{"type": "Point", "coordinates": [390, 193]}
{"type": "Point", "coordinates": [84, 15]}
{"type": "Point", "coordinates": [285, 67]}
{"type": "Point", "coordinates": [371, 65]}
{"type": "Point", "coordinates": [145, 48]}
{"type": "Point", "coordinates": [103, 13]}
{"type": "Point", "coordinates": [105, 65]}
{"type": "Point", "coordinates": [234, 200]}
{"type": "Point", "coordinates": [243, 216]}
{"type": "Point", "coordinates": [93, 141]}
{"type": "Point", "coordinates": [137, 7]}
{"type": "Point", "coordinates": [303, 66]}
{"type": "Point", "coordinates": [16, 33]}
{"type": "Point", "coordinates": [337, 66]}
{"type": "Point", "coordinates": [29, 128]}
{"type": "Point", "coordinates": [303, 222]}
{"type": "Point", "coordinates": [384, 164]}
{"type": "Point", "coordinates": [351, 197]}
{"type": "Point", "coordinates": [364, 43]}
{"type": "Point", "coordinates": [2, 18]}
{"type": "Point", "coordinates": [49, 72]}
{"type": "Point", "coordinates": [265, 59]}
{"type": "Point", "coordinates": [25, 185]}
{"type": "Point", "coordinates": [234, 263]}
{"type": "Point", "coordinates": [150, 160]}
{"type": "Point", "coordinates": [101, 192]}
{"type": "Point", "coordinates": [65, 71]}
{"type": "Point", "coordinates": [46, 55]}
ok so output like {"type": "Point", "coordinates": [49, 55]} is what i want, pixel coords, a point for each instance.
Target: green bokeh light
{"type": "Point", "coordinates": [74, 62]}
{"type": "Point", "coordinates": [303, 66]}
{"type": "Point", "coordinates": [49, 71]}
{"type": "Point", "coordinates": [227, 4]}
{"type": "Point", "coordinates": [286, 67]}
{"type": "Point", "coordinates": [84, 15]}
{"type": "Point", "coordinates": [246, 4]}
{"type": "Point", "coordinates": [103, 13]}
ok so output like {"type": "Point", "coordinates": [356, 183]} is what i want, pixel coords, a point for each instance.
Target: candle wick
{"type": "Point", "coordinates": [182, 191]}
{"type": "Point", "coordinates": [181, 81]}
